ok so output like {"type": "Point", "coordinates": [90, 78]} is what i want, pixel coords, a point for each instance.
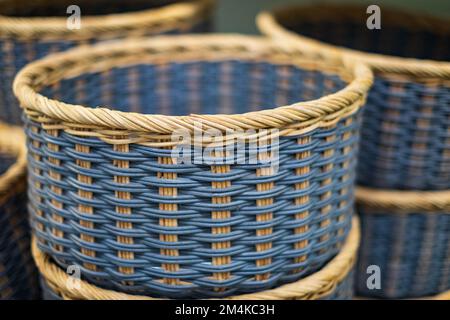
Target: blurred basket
{"type": "Point", "coordinates": [407, 235]}
{"type": "Point", "coordinates": [32, 29]}
{"type": "Point", "coordinates": [270, 204]}
{"type": "Point", "coordinates": [406, 127]}
{"type": "Point", "coordinates": [333, 282]}
{"type": "Point", "coordinates": [18, 276]}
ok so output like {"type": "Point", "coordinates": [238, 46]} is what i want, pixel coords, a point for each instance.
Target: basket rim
{"type": "Point", "coordinates": [310, 114]}
{"type": "Point", "coordinates": [397, 201]}
{"type": "Point", "coordinates": [104, 26]}
{"type": "Point", "coordinates": [12, 142]}
{"type": "Point", "coordinates": [314, 286]}
{"type": "Point", "coordinates": [268, 25]}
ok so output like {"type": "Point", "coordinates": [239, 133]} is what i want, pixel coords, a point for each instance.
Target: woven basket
{"type": "Point", "coordinates": [406, 129]}
{"type": "Point", "coordinates": [108, 194]}
{"type": "Point", "coordinates": [333, 282]}
{"type": "Point", "coordinates": [406, 234]}
{"type": "Point", "coordinates": [32, 29]}
{"type": "Point", "coordinates": [18, 277]}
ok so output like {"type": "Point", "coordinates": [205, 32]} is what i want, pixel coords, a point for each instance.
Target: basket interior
{"type": "Point", "coordinates": [57, 8]}
{"type": "Point", "coordinates": [400, 35]}
{"type": "Point", "coordinates": [181, 88]}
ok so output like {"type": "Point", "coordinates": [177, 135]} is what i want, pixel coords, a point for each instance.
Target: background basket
{"type": "Point", "coordinates": [107, 194]}
{"type": "Point", "coordinates": [32, 29]}
{"type": "Point", "coordinates": [18, 277]}
{"type": "Point", "coordinates": [406, 234]}
{"type": "Point", "coordinates": [333, 282]}
{"type": "Point", "coordinates": [406, 129]}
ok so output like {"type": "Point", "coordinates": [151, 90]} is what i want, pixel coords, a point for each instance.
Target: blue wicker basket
{"type": "Point", "coordinates": [333, 282]}
{"type": "Point", "coordinates": [407, 235]}
{"type": "Point", "coordinates": [271, 205]}
{"type": "Point", "coordinates": [30, 30]}
{"type": "Point", "coordinates": [18, 276]}
{"type": "Point", "coordinates": [406, 129]}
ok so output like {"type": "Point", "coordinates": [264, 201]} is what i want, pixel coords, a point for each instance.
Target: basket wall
{"type": "Point", "coordinates": [137, 222]}
{"type": "Point", "coordinates": [18, 276]}
{"type": "Point", "coordinates": [406, 128]}
{"type": "Point", "coordinates": [412, 251]}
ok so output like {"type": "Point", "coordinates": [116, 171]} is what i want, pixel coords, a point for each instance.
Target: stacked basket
{"type": "Point", "coordinates": [30, 30]}
{"type": "Point", "coordinates": [404, 164]}
{"type": "Point", "coordinates": [18, 277]}
{"type": "Point", "coordinates": [111, 196]}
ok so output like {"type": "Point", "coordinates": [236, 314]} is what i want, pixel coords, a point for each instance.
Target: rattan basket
{"type": "Point", "coordinates": [108, 193]}
{"type": "Point", "coordinates": [407, 235]}
{"type": "Point", "coordinates": [18, 276]}
{"type": "Point", "coordinates": [333, 282]}
{"type": "Point", "coordinates": [32, 29]}
{"type": "Point", "coordinates": [406, 128]}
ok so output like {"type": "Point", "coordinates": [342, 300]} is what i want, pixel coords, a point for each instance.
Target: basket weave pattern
{"type": "Point", "coordinates": [406, 128]}
{"type": "Point", "coordinates": [114, 201]}
{"type": "Point", "coordinates": [30, 38]}
{"type": "Point", "coordinates": [406, 234]}
{"type": "Point", "coordinates": [411, 250]}
{"type": "Point", "coordinates": [406, 141]}
{"type": "Point", "coordinates": [332, 282]}
{"type": "Point", "coordinates": [18, 277]}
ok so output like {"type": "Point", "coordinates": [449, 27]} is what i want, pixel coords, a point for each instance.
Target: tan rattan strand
{"type": "Point", "coordinates": [404, 201]}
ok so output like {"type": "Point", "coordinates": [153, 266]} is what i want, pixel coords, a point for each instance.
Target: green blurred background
{"type": "Point", "coordinates": [239, 15]}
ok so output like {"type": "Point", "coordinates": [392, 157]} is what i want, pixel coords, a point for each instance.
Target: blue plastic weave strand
{"type": "Point", "coordinates": [405, 136]}
{"type": "Point", "coordinates": [269, 236]}
{"type": "Point", "coordinates": [412, 251]}
{"type": "Point", "coordinates": [406, 141]}
{"type": "Point", "coordinates": [18, 277]}
{"type": "Point", "coordinates": [16, 53]}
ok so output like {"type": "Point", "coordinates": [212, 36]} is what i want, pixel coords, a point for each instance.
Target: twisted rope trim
{"type": "Point", "coordinates": [304, 116]}
{"type": "Point", "coordinates": [108, 26]}
{"type": "Point", "coordinates": [315, 286]}
{"type": "Point", "coordinates": [442, 296]}
{"type": "Point", "coordinates": [404, 201]}
{"type": "Point", "coordinates": [268, 25]}
{"type": "Point", "coordinates": [12, 142]}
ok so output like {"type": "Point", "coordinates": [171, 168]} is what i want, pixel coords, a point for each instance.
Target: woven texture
{"type": "Point", "coordinates": [116, 203]}
{"type": "Point", "coordinates": [18, 277]}
{"type": "Point", "coordinates": [343, 291]}
{"type": "Point", "coordinates": [333, 282]}
{"type": "Point", "coordinates": [406, 128]}
{"type": "Point", "coordinates": [412, 251]}
{"type": "Point", "coordinates": [22, 41]}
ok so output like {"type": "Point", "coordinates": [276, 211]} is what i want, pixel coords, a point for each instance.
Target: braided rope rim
{"type": "Point", "coordinates": [404, 201]}
{"type": "Point", "coordinates": [315, 286]}
{"type": "Point", "coordinates": [442, 296]}
{"type": "Point", "coordinates": [109, 25]}
{"type": "Point", "coordinates": [268, 25]}
{"type": "Point", "coordinates": [12, 142]}
{"type": "Point", "coordinates": [299, 116]}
